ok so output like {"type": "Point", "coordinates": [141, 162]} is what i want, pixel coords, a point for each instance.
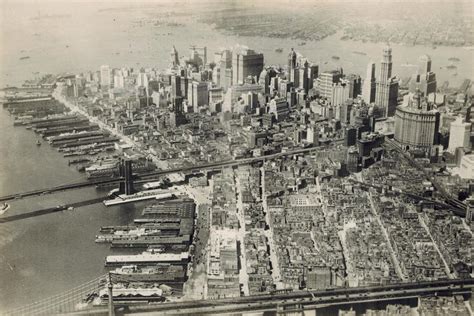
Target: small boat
{"type": "Point", "coordinates": [454, 59]}
{"type": "Point", "coordinates": [4, 208]}
{"type": "Point", "coordinates": [302, 44]}
{"type": "Point", "coordinates": [358, 53]}
{"type": "Point", "coordinates": [451, 67]}
{"type": "Point", "coordinates": [279, 50]}
{"type": "Point", "coordinates": [24, 57]}
{"type": "Point", "coordinates": [38, 143]}
{"type": "Point", "coordinates": [335, 57]}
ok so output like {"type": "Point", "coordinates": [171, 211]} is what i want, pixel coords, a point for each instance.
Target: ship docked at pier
{"type": "Point", "coordinates": [139, 196]}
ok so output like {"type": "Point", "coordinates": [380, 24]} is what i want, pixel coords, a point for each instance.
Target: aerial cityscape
{"type": "Point", "coordinates": [236, 158]}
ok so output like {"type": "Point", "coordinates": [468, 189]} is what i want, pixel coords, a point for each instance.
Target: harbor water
{"type": "Point", "coordinates": [43, 256]}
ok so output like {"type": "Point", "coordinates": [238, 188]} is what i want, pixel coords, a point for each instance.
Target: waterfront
{"type": "Point", "coordinates": [58, 250]}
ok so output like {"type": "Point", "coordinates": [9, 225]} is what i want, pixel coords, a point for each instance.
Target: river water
{"type": "Point", "coordinates": [43, 256]}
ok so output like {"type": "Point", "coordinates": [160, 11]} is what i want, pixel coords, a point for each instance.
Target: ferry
{"type": "Point", "coordinates": [4, 208]}
{"type": "Point", "coordinates": [139, 196]}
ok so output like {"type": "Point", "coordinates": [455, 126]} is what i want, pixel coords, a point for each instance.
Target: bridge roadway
{"type": "Point", "coordinates": [50, 210]}
{"type": "Point", "coordinates": [297, 299]}
{"type": "Point", "coordinates": [219, 164]}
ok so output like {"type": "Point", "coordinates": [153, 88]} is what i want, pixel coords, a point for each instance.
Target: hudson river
{"type": "Point", "coordinates": [43, 256]}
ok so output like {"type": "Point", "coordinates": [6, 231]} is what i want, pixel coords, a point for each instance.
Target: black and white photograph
{"type": "Point", "coordinates": [236, 157]}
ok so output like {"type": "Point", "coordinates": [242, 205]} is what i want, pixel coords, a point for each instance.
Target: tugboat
{"type": "Point", "coordinates": [4, 208]}
{"type": "Point", "coordinates": [38, 143]}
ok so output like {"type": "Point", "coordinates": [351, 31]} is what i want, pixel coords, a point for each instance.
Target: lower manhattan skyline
{"type": "Point", "coordinates": [236, 157]}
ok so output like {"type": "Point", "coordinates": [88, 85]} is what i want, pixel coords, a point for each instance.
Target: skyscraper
{"type": "Point", "coordinates": [176, 86]}
{"type": "Point", "coordinates": [424, 79]}
{"type": "Point", "coordinates": [105, 76]}
{"type": "Point", "coordinates": [459, 135]}
{"type": "Point", "coordinates": [326, 81]}
{"type": "Point", "coordinates": [417, 124]}
{"type": "Point", "coordinates": [386, 90]}
{"type": "Point", "coordinates": [174, 58]}
{"type": "Point", "coordinates": [368, 89]}
{"type": "Point", "coordinates": [245, 62]}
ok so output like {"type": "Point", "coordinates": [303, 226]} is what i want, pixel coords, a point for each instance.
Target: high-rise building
{"type": "Point", "coordinates": [424, 79]}
{"type": "Point", "coordinates": [417, 125]}
{"type": "Point", "coordinates": [312, 135]}
{"type": "Point", "coordinates": [341, 92]}
{"type": "Point", "coordinates": [200, 95]}
{"type": "Point", "coordinates": [355, 85]}
{"type": "Point", "coordinates": [176, 86]}
{"type": "Point", "coordinates": [245, 62]}
{"type": "Point", "coordinates": [174, 58]}
{"type": "Point", "coordinates": [142, 79]}
{"type": "Point", "coordinates": [368, 88]}
{"type": "Point", "coordinates": [291, 64]}
{"type": "Point", "coordinates": [459, 135]}
{"type": "Point", "coordinates": [386, 90]}
{"type": "Point", "coordinates": [119, 80]}
{"type": "Point", "coordinates": [105, 76]}
{"type": "Point", "coordinates": [326, 81]}
{"type": "Point", "coordinates": [279, 107]}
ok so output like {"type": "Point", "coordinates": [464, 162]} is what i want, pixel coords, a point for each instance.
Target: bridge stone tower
{"type": "Point", "coordinates": [125, 172]}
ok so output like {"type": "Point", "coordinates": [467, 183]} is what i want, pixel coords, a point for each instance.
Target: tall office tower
{"type": "Point", "coordinates": [176, 86]}
{"type": "Point", "coordinates": [424, 79]}
{"type": "Point", "coordinates": [142, 79]}
{"type": "Point", "coordinates": [225, 61]}
{"type": "Point", "coordinates": [105, 76]}
{"type": "Point", "coordinates": [177, 105]}
{"type": "Point", "coordinates": [119, 81]}
{"type": "Point", "coordinates": [264, 80]}
{"type": "Point", "coordinates": [326, 81]}
{"type": "Point", "coordinates": [312, 135]}
{"type": "Point", "coordinates": [292, 59]}
{"type": "Point", "coordinates": [279, 107]}
{"type": "Point", "coordinates": [417, 125]}
{"type": "Point", "coordinates": [368, 88]}
{"type": "Point", "coordinates": [459, 135]}
{"type": "Point", "coordinates": [245, 62]}
{"type": "Point", "coordinates": [216, 76]}
{"type": "Point", "coordinates": [303, 73]}
{"type": "Point", "coordinates": [341, 92]}
{"type": "Point", "coordinates": [174, 58]}
{"type": "Point", "coordinates": [356, 85]}
{"type": "Point", "coordinates": [386, 90]}
{"type": "Point", "coordinates": [184, 86]}
{"type": "Point", "coordinates": [312, 75]}
{"type": "Point", "coordinates": [199, 95]}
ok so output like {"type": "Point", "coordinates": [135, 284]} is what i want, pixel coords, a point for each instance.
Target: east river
{"type": "Point", "coordinates": [43, 256]}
